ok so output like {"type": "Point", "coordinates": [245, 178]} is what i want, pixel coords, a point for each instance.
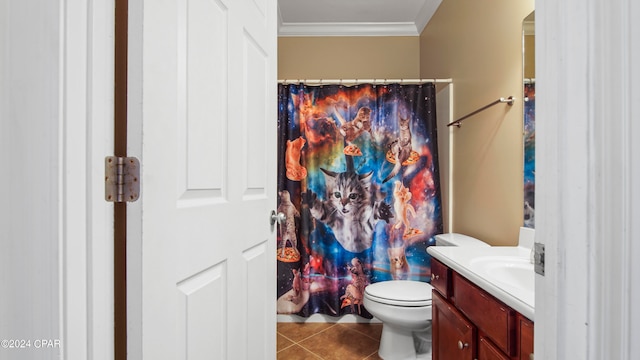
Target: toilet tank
{"type": "Point", "coordinates": [455, 239]}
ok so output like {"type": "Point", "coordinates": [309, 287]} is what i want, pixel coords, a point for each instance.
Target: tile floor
{"type": "Point", "coordinates": [328, 341]}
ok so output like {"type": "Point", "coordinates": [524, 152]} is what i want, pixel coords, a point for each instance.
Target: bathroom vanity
{"type": "Point", "coordinates": [478, 311]}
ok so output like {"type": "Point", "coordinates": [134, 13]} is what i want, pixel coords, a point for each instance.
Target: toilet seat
{"type": "Point", "coordinates": [406, 293]}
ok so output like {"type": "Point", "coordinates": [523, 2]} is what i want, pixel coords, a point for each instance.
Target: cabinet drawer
{"type": "Point", "coordinates": [492, 317]}
{"type": "Point", "coordinates": [488, 351]}
{"type": "Point", "coordinates": [440, 275]}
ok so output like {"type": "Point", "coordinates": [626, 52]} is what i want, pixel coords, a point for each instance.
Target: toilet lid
{"type": "Point", "coordinates": [400, 292]}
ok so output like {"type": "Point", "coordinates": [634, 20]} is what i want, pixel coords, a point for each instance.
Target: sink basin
{"type": "Point", "coordinates": [514, 274]}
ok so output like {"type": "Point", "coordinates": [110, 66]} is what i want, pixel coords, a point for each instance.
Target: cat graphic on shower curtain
{"type": "Point", "coordinates": [288, 229]}
{"type": "Point", "coordinates": [351, 208]}
{"type": "Point", "coordinates": [354, 292]}
{"type": "Point", "coordinates": [351, 130]}
{"type": "Point", "coordinates": [295, 171]}
{"type": "Point", "coordinates": [400, 148]}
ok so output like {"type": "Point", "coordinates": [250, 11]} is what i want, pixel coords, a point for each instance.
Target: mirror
{"type": "Point", "coordinates": [529, 118]}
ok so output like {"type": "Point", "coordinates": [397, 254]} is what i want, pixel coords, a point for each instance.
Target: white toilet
{"type": "Point", "coordinates": [404, 307]}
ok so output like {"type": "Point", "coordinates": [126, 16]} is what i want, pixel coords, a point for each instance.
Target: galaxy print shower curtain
{"type": "Point", "coordinates": [358, 182]}
{"type": "Point", "coordinates": [529, 155]}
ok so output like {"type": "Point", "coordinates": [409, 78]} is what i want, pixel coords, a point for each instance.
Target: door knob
{"type": "Point", "coordinates": [279, 217]}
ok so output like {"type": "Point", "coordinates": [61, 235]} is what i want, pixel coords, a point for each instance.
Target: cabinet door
{"type": "Point", "coordinates": [525, 328]}
{"type": "Point", "coordinates": [453, 334]}
{"type": "Point", "coordinates": [488, 351]}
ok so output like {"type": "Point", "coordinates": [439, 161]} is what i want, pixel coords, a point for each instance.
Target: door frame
{"type": "Point", "coordinates": [585, 172]}
{"type": "Point", "coordinates": [77, 124]}
{"type": "Point", "coordinates": [86, 124]}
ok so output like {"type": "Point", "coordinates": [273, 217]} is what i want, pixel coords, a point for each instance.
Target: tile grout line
{"type": "Point", "coordinates": [370, 356]}
{"type": "Point", "coordinates": [310, 336]}
{"type": "Point", "coordinates": [297, 343]}
{"type": "Point", "coordinates": [311, 352]}
{"type": "Point", "coordinates": [294, 343]}
{"type": "Point", "coordinates": [285, 348]}
{"type": "Point", "coordinates": [286, 337]}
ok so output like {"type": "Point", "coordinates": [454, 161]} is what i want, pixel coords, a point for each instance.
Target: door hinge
{"type": "Point", "coordinates": [538, 258]}
{"type": "Point", "coordinates": [122, 179]}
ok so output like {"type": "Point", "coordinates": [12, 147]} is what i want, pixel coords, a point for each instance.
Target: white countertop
{"type": "Point", "coordinates": [463, 260]}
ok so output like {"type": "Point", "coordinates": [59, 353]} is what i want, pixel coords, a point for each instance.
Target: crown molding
{"type": "Point", "coordinates": [408, 28]}
{"type": "Point", "coordinates": [348, 29]}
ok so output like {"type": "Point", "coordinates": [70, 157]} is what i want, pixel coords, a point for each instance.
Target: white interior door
{"type": "Point", "coordinates": [202, 119]}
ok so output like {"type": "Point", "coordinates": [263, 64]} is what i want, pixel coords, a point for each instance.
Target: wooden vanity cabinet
{"type": "Point", "coordinates": [469, 323]}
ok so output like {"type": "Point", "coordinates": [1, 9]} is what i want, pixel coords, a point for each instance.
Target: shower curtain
{"type": "Point", "coordinates": [529, 155]}
{"type": "Point", "coordinates": [359, 185]}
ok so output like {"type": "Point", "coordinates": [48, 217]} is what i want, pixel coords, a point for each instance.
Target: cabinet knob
{"type": "Point", "coordinates": [434, 277]}
{"type": "Point", "coordinates": [462, 345]}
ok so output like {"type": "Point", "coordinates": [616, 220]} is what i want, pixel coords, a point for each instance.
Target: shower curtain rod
{"type": "Point", "coordinates": [362, 81]}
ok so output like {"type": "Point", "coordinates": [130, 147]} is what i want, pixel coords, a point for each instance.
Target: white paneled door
{"type": "Point", "coordinates": [202, 119]}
